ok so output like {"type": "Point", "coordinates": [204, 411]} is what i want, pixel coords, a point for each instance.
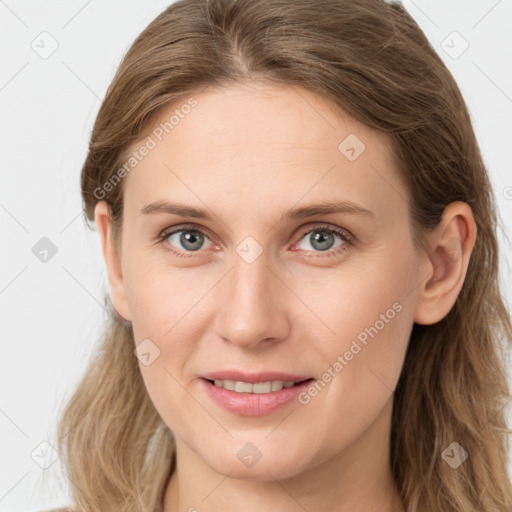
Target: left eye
{"type": "Point", "coordinates": [322, 239]}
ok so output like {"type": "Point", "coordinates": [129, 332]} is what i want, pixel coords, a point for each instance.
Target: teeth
{"type": "Point", "coordinates": [243, 387]}
{"type": "Point", "coordinates": [258, 387]}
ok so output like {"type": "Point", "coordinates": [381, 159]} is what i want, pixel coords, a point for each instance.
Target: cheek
{"type": "Point", "coordinates": [169, 308]}
{"type": "Point", "coordinates": [359, 369]}
{"type": "Point", "coordinates": [370, 314]}
{"type": "Point", "coordinates": [371, 299]}
{"type": "Point", "coordinates": [156, 293]}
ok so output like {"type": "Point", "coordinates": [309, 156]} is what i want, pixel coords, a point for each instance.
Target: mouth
{"type": "Point", "coordinates": [253, 393]}
{"type": "Point", "coordinates": [258, 398]}
{"type": "Point", "coordinates": [259, 388]}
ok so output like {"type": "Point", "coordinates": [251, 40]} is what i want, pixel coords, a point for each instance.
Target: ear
{"type": "Point", "coordinates": [446, 263]}
{"type": "Point", "coordinates": [112, 259]}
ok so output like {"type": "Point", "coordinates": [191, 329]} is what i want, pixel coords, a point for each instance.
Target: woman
{"type": "Point", "coordinates": [300, 241]}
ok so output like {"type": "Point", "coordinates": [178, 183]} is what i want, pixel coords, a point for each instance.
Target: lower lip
{"type": "Point", "coordinates": [254, 404]}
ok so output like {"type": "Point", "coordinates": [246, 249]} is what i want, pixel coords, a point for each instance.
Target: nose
{"type": "Point", "coordinates": [253, 305]}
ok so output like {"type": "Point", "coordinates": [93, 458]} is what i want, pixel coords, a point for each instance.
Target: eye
{"type": "Point", "coordinates": [185, 239]}
{"type": "Point", "coordinates": [325, 239]}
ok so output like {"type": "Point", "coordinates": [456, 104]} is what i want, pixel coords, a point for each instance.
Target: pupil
{"type": "Point", "coordinates": [191, 240]}
{"type": "Point", "coordinates": [324, 240]}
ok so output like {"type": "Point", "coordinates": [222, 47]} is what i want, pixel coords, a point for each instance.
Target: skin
{"type": "Point", "coordinates": [248, 154]}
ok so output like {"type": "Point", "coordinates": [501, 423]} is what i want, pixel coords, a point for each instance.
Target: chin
{"type": "Point", "coordinates": [273, 468]}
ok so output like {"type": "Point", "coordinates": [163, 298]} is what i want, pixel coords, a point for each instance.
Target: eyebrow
{"type": "Point", "coordinates": [345, 207]}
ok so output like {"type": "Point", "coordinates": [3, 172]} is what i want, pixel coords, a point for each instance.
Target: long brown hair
{"type": "Point", "coordinates": [371, 59]}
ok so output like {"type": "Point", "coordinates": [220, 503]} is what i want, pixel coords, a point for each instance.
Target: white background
{"type": "Point", "coordinates": [52, 312]}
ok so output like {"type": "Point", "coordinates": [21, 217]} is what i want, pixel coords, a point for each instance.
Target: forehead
{"type": "Point", "coordinates": [254, 142]}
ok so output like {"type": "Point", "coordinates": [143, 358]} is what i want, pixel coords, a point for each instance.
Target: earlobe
{"type": "Point", "coordinates": [116, 282]}
{"type": "Point", "coordinates": [450, 249]}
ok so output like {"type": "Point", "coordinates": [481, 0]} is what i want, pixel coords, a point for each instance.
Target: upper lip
{"type": "Point", "coordinates": [254, 377]}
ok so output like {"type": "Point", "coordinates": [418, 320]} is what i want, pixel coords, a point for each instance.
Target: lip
{"type": "Point", "coordinates": [253, 404]}
{"type": "Point", "coordinates": [252, 378]}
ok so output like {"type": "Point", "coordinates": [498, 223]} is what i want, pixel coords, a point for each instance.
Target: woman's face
{"type": "Point", "coordinates": [292, 260]}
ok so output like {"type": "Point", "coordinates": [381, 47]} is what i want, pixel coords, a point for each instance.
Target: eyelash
{"type": "Point", "coordinates": [346, 237]}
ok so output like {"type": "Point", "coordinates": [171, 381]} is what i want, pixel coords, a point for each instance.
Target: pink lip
{"type": "Point", "coordinates": [253, 404]}
{"type": "Point", "coordinates": [254, 377]}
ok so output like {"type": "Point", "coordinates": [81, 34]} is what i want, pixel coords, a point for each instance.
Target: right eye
{"type": "Point", "coordinates": [185, 240]}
